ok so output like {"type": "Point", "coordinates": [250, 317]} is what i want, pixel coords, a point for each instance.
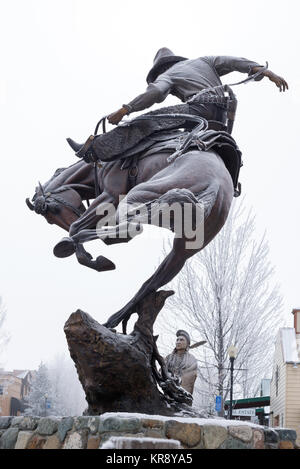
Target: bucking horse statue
{"type": "Point", "coordinates": [181, 157]}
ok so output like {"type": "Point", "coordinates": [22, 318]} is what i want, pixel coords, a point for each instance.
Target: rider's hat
{"type": "Point", "coordinates": [163, 59]}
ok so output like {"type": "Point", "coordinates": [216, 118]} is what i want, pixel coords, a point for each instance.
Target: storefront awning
{"type": "Point", "coordinates": [250, 402]}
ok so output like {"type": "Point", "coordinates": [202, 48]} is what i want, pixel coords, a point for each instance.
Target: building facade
{"type": "Point", "coordinates": [14, 387]}
{"type": "Point", "coordinates": [285, 383]}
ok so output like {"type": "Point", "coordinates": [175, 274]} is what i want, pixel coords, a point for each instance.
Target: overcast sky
{"type": "Point", "coordinates": [65, 64]}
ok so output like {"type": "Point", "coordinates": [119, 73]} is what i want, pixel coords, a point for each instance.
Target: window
{"type": "Point", "coordinates": [1, 390]}
{"type": "Point", "coordinates": [277, 379]}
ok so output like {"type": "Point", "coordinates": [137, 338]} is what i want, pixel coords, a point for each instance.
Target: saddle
{"type": "Point", "coordinates": [215, 137]}
{"type": "Point", "coordinates": [173, 127]}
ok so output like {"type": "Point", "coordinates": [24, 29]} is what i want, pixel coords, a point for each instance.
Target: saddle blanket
{"type": "Point", "coordinates": [170, 141]}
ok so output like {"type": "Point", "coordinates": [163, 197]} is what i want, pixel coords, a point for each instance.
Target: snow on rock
{"type": "Point", "coordinates": [200, 421]}
{"type": "Point", "coordinates": [121, 442]}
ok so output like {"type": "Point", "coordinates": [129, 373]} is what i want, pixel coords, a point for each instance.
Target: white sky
{"type": "Point", "coordinates": [65, 64]}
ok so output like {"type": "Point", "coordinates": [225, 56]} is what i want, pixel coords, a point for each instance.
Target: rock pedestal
{"type": "Point", "coordinates": [117, 371]}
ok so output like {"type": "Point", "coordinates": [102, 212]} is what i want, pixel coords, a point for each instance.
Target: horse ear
{"type": "Point", "coordinates": [29, 204]}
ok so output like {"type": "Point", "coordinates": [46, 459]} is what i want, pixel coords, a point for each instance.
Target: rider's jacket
{"type": "Point", "coordinates": [188, 77]}
{"type": "Point", "coordinates": [185, 80]}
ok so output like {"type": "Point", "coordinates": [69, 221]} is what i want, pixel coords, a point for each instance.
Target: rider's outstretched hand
{"type": "Point", "coordinates": [117, 116]}
{"type": "Point", "coordinates": [279, 81]}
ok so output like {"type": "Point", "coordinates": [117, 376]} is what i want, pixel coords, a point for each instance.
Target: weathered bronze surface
{"type": "Point", "coordinates": [118, 371]}
{"type": "Point", "coordinates": [181, 363]}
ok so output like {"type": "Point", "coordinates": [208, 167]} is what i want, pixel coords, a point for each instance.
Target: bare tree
{"type": "Point", "coordinates": [68, 393]}
{"type": "Point", "coordinates": [225, 295]}
{"type": "Point", "coordinates": [56, 390]}
{"type": "Point", "coordinates": [4, 336]}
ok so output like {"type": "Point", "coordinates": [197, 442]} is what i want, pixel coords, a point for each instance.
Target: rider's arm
{"type": "Point", "coordinates": [224, 64]}
{"type": "Point", "coordinates": [156, 92]}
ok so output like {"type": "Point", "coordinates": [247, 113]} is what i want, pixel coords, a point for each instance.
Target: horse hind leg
{"type": "Point", "coordinates": [121, 228]}
{"type": "Point", "coordinates": [183, 247]}
{"type": "Point", "coordinates": [182, 211]}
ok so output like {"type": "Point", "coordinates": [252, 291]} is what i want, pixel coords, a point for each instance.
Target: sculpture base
{"type": "Point", "coordinates": [117, 371]}
{"type": "Point", "coordinates": [102, 432]}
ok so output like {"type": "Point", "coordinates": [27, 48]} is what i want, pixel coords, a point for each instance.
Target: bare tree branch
{"type": "Point", "coordinates": [226, 295]}
{"type": "Point", "coordinates": [4, 336]}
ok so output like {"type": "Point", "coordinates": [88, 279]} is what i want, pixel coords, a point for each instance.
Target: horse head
{"type": "Point", "coordinates": [42, 202]}
{"type": "Point", "coordinates": [60, 205]}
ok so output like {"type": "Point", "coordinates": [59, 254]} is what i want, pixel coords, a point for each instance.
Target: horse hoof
{"type": "Point", "coordinates": [65, 248]}
{"type": "Point", "coordinates": [110, 324]}
{"type": "Point", "coordinates": [103, 264]}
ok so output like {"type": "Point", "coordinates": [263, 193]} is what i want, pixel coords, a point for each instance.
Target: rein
{"type": "Point", "coordinates": [63, 202]}
{"type": "Point", "coordinates": [43, 203]}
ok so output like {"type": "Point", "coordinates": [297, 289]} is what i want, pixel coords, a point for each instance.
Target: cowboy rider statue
{"type": "Point", "coordinates": [184, 78]}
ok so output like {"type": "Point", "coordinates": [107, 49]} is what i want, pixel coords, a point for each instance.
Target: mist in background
{"type": "Point", "coordinates": [66, 64]}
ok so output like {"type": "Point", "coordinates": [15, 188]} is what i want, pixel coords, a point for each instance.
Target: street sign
{"type": "Point", "coordinates": [48, 405]}
{"type": "Point", "coordinates": [218, 403]}
{"type": "Point", "coordinates": [243, 412]}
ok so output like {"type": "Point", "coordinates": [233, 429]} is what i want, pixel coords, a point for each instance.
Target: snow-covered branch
{"type": "Point", "coordinates": [226, 295]}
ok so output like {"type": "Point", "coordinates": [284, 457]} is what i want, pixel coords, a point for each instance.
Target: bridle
{"type": "Point", "coordinates": [50, 200]}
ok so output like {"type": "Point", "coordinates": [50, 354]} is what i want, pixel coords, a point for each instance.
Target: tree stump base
{"type": "Point", "coordinates": [118, 371]}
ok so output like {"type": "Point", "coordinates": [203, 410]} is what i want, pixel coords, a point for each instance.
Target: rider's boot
{"type": "Point", "coordinates": [74, 145]}
{"type": "Point", "coordinates": [85, 150]}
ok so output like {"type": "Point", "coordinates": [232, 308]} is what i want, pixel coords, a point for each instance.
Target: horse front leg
{"type": "Point", "coordinates": [100, 264]}
{"type": "Point", "coordinates": [166, 271]}
{"type": "Point", "coordinates": [79, 232]}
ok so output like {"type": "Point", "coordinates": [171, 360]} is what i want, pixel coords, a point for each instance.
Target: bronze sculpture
{"type": "Point", "coordinates": [183, 155]}
{"type": "Point", "coordinates": [181, 363]}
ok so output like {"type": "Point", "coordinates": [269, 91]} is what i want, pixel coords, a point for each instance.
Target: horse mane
{"type": "Point", "coordinates": [57, 172]}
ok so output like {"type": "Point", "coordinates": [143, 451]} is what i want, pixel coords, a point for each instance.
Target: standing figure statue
{"type": "Point", "coordinates": [182, 364]}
